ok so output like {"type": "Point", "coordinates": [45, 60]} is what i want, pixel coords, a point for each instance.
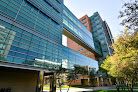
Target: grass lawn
{"type": "Point", "coordinates": [136, 85]}
{"type": "Point", "coordinates": [110, 91]}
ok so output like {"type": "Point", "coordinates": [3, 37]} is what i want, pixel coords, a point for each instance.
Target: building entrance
{"type": "Point", "coordinates": [49, 82]}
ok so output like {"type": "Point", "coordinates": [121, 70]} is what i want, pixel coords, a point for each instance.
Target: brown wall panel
{"type": "Point", "coordinates": [19, 81]}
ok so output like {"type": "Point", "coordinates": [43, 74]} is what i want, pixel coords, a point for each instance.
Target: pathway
{"type": "Point", "coordinates": [87, 89]}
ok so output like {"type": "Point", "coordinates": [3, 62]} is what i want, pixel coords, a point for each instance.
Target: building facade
{"type": "Point", "coordinates": [86, 22]}
{"type": "Point", "coordinates": [102, 39]}
{"type": "Point", "coordinates": [31, 43]}
{"type": "Point", "coordinates": [102, 32]}
{"type": "Point", "coordinates": [77, 47]}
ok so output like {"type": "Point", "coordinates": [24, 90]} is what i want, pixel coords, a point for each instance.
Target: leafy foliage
{"type": "Point", "coordinates": [130, 15]}
{"type": "Point", "coordinates": [59, 71]}
{"type": "Point", "coordinates": [91, 76]}
{"type": "Point", "coordinates": [79, 70]}
{"type": "Point", "coordinates": [124, 62]}
{"type": "Point", "coordinates": [2, 57]}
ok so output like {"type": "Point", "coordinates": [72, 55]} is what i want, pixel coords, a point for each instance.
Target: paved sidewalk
{"type": "Point", "coordinates": [83, 89]}
{"type": "Point", "coordinates": [88, 89]}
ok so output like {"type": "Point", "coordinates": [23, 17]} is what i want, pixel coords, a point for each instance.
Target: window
{"type": "Point", "coordinates": [56, 9]}
{"type": "Point", "coordinates": [49, 3]}
{"type": "Point", "coordinates": [100, 34]}
{"type": "Point", "coordinates": [81, 49]}
{"type": "Point", "coordinates": [83, 19]}
{"type": "Point", "coordinates": [58, 1]}
{"type": "Point", "coordinates": [84, 23]}
{"type": "Point", "coordinates": [86, 26]}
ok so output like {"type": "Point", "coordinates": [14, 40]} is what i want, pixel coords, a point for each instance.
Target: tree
{"type": "Point", "coordinates": [70, 78]}
{"type": "Point", "coordinates": [80, 70]}
{"type": "Point", "coordinates": [124, 62]}
{"type": "Point", "coordinates": [76, 72]}
{"type": "Point", "coordinates": [102, 70]}
{"type": "Point", "coordinates": [130, 15]}
{"type": "Point", "coordinates": [2, 57]}
{"type": "Point", "coordinates": [91, 76]}
{"type": "Point", "coordinates": [59, 71]}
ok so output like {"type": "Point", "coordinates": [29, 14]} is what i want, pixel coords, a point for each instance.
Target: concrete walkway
{"type": "Point", "coordinates": [88, 89]}
{"type": "Point", "coordinates": [83, 89]}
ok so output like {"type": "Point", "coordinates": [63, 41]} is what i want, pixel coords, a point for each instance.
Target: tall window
{"type": "Point", "coordinates": [83, 19]}
{"type": "Point", "coordinates": [84, 22]}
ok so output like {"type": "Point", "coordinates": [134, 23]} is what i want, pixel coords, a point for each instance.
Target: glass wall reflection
{"type": "Point", "coordinates": [71, 57]}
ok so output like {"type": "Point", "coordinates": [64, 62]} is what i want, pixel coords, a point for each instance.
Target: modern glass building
{"type": "Point", "coordinates": [71, 58]}
{"type": "Point", "coordinates": [102, 39]}
{"type": "Point", "coordinates": [31, 42]}
{"type": "Point", "coordinates": [102, 32]}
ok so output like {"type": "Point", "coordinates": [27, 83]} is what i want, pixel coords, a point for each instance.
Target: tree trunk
{"type": "Point", "coordinates": [131, 87]}
{"type": "Point", "coordinates": [68, 89]}
{"type": "Point", "coordinates": [118, 90]}
{"type": "Point", "coordinates": [127, 86]}
{"type": "Point", "coordinates": [59, 85]}
{"type": "Point", "coordinates": [69, 86]}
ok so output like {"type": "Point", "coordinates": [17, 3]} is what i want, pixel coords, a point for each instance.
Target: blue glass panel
{"type": "Point", "coordinates": [13, 48]}
{"type": "Point", "coordinates": [32, 53]}
{"type": "Point", "coordinates": [22, 50]}
{"type": "Point", "coordinates": [20, 55]}
{"type": "Point", "coordinates": [17, 60]}
{"type": "Point", "coordinates": [30, 57]}
{"type": "Point", "coordinates": [10, 59]}
{"type": "Point", "coordinates": [33, 49]}
{"type": "Point", "coordinates": [35, 41]}
{"type": "Point", "coordinates": [11, 53]}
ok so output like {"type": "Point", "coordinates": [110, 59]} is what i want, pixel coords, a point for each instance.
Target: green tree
{"type": "Point", "coordinates": [2, 57]}
{"type": "Point", "coordinates": [129, 15]}
{"type": "Point", "coordinates": [75, 73]}
{"type": "Point", "coordinates": [124, 62]}
{"type": "Point", "coordinates": [59, 71]}
{"type": "Point", "coordinates": [70, 78]}
{"type": "Point", "coordinates": [91, 76]}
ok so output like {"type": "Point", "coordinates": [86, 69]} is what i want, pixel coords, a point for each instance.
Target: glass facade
{"type": "Point", "coordinates": [98, 32]}
{"type": "Point", "coordinates": [109, 36]}
{"type": "Point", "coordinates": [97, 45]}
{"type": "Point", "coordinates": [71, 23]}
{"type": "Point", "coordinates": [31, 33]}
{"type": "Point", "coordinates": [71, 57]}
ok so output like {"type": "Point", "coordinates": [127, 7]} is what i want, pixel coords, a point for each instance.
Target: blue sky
{"type": "Point", "coordinates": [108, 9]}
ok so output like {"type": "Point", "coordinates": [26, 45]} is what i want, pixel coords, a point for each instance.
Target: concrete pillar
{"type": "Point", "coordinates": [117, 81]}
{"type": "Point", "coordinates": [88, 81]}
{"type": "Point", "coordinates": [53, 83]}
{"type": "Point", "coordinates": [110, 82]}
{"type": "Point", "coordinates": [98, 82]}
{"type": "Point", "coordinates": [39, 87]}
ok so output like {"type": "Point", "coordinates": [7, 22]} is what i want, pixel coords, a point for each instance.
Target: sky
{"type": "Point", "coordinates": [108, 10]}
